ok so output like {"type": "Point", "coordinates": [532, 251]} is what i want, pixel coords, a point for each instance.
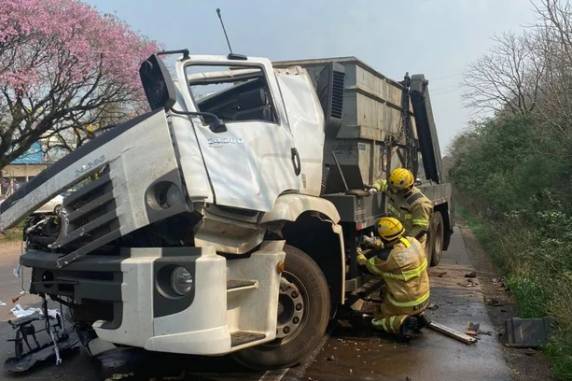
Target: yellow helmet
{"type": "Point", "coordinates": [401, 179]}
{"type": "Point", "coordinates": [389, 228]}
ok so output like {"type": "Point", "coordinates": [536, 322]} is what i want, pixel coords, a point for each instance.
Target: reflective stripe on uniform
{"type": "Point", "coordinates": [420, 222]}
{"type": "Point", "coordinates": [379, 323]}
{"type": "Point", "coordinates": [391, 321]}
{"type": "Point", "coordinates": [407, 275]}
{"type": "Point", "coordinates": [405, 242]}
{"type": "Point", "coordinates": [412, 303]}
{"type": "Point", "coordinates": [370, 264]}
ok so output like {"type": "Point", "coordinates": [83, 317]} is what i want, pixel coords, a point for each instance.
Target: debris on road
{"type": "Point", "coordinates": [526, 333]}
{"type": "Point", "coordinates": [440, 274]}
{"type": "Point", "coordinates": [22, 293]}
{"type": "Point", "coordinates": [499, 282]}
{"type": "Point", "coordinates": [20, 312]}
{"type": "Point", "coordinates": [452, 333]}
{"type": "Point", "coordinates": [493, 302]}
{"type": "Point", "coordinates": [433, 307]}
{"type": "Point", "coordinates": [2, 304]}
{"type": "Point", "coordinates": [472, 329]}
{"type": "Point", "coordinates": [39, 335]}
{"type": "Point", "coordinates": [472, 274]}
{"type": "Point", "coordinates": [470, 282]}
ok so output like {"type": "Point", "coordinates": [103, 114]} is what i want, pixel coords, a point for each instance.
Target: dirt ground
{"type": "Point", "coordinates": [353, 351]}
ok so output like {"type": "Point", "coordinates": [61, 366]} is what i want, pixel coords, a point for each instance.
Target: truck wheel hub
{"type": "Point", "coordinates": [290, 309]}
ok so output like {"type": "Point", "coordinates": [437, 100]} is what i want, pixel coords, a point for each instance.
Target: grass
{"type": "Point", "coordinates": [535, 275]}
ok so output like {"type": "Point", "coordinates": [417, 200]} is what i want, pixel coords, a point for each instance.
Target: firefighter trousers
{"type": "Point", "coordinates": [390, 318]}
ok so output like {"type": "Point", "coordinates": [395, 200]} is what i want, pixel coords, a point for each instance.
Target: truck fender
{"type": "Point", "coordinates": [307, 217]}
{"type": "Point", "coordinates": [288, 207]}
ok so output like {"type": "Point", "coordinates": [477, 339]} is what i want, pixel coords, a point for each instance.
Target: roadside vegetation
{"type": "Point", "coordinates": [66, 71]}
{"type": "Point", "coordinates": [513, 168]}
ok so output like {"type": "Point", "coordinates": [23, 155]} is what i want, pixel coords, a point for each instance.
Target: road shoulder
{"type": "Point", "coordinates": [525, 364]}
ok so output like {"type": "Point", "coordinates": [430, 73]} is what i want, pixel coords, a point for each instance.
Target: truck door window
{"type": "Point", "coordinates": [233, 93]}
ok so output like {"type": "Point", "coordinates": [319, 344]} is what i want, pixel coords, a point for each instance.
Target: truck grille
{"type": "Point", "coordinates": [90, 219]}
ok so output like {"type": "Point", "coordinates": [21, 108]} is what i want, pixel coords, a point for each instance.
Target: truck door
{"type": "Point", "coordinates": [252, 160]}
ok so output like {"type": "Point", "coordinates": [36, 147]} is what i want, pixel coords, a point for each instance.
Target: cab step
{"type": "Point", "coordinates": [240, 285]}
{"type": "Point", "coordinates": [243, 337]}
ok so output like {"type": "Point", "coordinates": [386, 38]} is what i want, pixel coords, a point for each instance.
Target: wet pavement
{"type": "Point", "coordinates": [431, 356]}
{"type": "Point", "coordinates": [352, 352]}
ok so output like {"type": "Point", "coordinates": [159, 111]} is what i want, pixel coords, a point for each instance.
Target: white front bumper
{"type": "Point", "coordinates": [206, 325]}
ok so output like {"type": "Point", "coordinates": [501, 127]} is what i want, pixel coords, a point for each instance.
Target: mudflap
{"type": "Point", "coordinates": [38, 339]}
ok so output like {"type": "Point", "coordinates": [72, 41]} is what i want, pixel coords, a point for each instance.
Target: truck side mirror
{"type": "Point", "coordinates": [157, 83]}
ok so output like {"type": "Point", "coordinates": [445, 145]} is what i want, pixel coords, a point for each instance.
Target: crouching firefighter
{"type": "Point", "coordinates": [407, 203]}
{"type": "Point", "coordinates": [402, 264]}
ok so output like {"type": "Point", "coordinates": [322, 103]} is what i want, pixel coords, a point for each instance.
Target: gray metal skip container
{"type": "Point", "coordinates": [370, 135]}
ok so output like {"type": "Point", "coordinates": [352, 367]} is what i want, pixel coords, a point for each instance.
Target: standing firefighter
{"type": "Point", "coordinates": [403, 266]}
{"type": "Point", "coordinates": [407, 203]}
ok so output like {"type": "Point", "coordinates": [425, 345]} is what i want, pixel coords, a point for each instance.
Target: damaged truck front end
{"type": "Point", "coordinates": [142, 251]}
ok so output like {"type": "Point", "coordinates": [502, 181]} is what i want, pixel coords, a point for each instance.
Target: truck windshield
{"type": "Point", "coordinates": [233, 93]}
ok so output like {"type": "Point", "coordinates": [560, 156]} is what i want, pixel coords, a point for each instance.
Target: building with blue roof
{"type": "Point", "coordinates": [22, 169]}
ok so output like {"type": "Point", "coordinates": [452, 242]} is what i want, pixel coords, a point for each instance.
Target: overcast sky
{"type": "Point", "coordinates": [436, 37]}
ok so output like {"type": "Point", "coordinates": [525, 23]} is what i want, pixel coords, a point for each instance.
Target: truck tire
{"type": "Point", "coordinates": [436, 237]}
{"type": "Point", "coordinates": [301, 271]}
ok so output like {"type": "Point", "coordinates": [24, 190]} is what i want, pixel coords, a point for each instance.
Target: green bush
{"type": "Point", "coordinates": [516, 188]}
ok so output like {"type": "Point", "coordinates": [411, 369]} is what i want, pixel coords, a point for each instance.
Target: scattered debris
{"type": "Point", "coordinates": [331, 358]}
{"type": "Point", "coordinates": [433, 307]}
{"type": "Point", "coordinates": [20, 312]}
{"type": "Point", "coordinates": [470, 282]}
{"type": "Point", "coordinates": [440, 274]}
{"type": "Point", "coordinates": [22, 293]}
{"type": "Point", "coordinates": [39, 336]}
{"type": "Point", "coordinates": [527, 333]}
{"type": "Point", "coordinates": [472, 274]}
{"type": "Point", "coordinates": [493, 302]}
{"type": "Point", "coordinates": [454, 334]}
{"type": "Point", "coordinates": [2, 304]}
{"type": "Point", "coordinates": [16, 271]}
{"type": "Point", "coordinates": [472, 329]}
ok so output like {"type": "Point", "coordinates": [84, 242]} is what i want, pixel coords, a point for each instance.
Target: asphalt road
{"type": "Point", "coordinates": [352, 352]}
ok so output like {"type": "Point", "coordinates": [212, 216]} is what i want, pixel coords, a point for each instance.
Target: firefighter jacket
{"type": "Point", "coordinates": [413, 208]}
{"type": "Point", "coordinates": [404, 270]}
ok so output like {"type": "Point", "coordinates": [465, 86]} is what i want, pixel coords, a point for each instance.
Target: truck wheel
{"type": "Point", "coordinates": [435, 241]}
{"type": "Point", "coordinates": [303, 315]}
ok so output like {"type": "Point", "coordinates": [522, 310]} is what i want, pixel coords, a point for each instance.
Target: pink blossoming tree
{"type": "Point", "coordinates": [63, 67]}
